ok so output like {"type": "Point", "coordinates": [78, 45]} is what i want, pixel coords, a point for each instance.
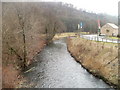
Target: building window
{"type": "Point", "coordinates": [107, 31]}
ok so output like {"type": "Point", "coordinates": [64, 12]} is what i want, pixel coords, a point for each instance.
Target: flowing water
{"type": "Point", "coordinates": [55, 68]}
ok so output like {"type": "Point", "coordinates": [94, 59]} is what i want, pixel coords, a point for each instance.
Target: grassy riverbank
{"type": "Point", "coordinates": [62, 35]}
{"type": "Point", "coordinates": [101, 59]}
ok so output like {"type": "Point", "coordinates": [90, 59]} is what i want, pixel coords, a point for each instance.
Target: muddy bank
{"type": "Point", "coordinates": [100, 59]}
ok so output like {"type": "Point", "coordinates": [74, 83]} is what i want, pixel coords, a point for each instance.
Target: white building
{"type": "Point", "coordinates": [109, 29]}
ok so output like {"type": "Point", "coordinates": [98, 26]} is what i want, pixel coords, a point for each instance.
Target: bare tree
{"type": "Point", "coordinates": [22, 20]}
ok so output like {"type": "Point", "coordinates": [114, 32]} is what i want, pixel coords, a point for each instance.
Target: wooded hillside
{"type": "Point", "coordinates": [71, 17]}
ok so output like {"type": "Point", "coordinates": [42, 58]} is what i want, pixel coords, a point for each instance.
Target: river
{"type": "Point", "coordinates": [55, 68]}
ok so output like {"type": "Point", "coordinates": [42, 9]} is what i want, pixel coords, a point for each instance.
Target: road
{"type": "Point", "coordinates": [55, 68]}
{"type": "Point", "coordinates": [99, 38]}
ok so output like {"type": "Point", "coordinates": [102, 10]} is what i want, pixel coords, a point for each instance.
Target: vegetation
{"type": "Point", "coordinates": [101, 59]}
{"type": "Point", "coordinates": [63, 35]}
{"type": "Point", "coordinates": [28, 27]}
{"type": "Point", "coordinates": [71, 17]}
{"type": "Point", "coordinates": [114, 37]}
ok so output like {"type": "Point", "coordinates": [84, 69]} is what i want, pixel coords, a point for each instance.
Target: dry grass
{"type": "Point", "coordinates": [99, 58]}
{"type": "Point", "coordinates": [24, 28]}
{"type": "Point", "coordinates": [10, 77]}
{"type": "Point", "coordinates": [113, 37]}
{"type": "Point", "coordinates": [33, 49]}
{"type": "Point", "coordinates": [62, 35]}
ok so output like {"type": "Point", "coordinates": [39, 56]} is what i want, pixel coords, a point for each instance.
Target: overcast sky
{"type": "Point", "coordinates": [97, 6]}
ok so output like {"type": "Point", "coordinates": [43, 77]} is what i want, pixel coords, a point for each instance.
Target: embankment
{"type": "Point", "coordinates": [26, 29]}
{"type": "Point", "coordinates": [100, 59]}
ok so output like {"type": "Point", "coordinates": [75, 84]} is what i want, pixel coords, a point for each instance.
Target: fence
{"type": "Point", "coordinates": [100, 38]}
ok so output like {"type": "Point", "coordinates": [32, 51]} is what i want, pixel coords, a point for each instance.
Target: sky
{"type": "Point", "coordinates": [96, 6]}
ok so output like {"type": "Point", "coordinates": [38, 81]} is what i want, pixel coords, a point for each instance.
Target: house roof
{"type": "Point", "coordinates": [113, 25]}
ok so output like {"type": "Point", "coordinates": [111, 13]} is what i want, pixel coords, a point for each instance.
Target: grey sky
{"type": "Point", "coordinates": [97, 6]}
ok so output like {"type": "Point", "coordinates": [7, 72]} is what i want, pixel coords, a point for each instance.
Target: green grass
{"type": "Point", "coordinates": [84, 32]}
{"type": "Point", "coordinates": [107, 42]}
{"type": "Point", "coordinates": [114, 37]}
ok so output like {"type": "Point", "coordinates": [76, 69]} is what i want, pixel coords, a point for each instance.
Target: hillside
{"type": "Point", "coordinates": [72, 16]}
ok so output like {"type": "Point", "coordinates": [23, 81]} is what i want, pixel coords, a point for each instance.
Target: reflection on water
{"type": "Point", "coordinates": [57, 69]}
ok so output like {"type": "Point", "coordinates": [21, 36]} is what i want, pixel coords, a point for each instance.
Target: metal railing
{"type": "Point", "coordinates": [100, 39]}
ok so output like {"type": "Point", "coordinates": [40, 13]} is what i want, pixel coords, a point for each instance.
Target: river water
{"type": "Point", "coordinates": [55, 68]}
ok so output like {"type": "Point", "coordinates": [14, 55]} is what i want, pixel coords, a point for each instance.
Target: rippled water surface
{"type": "Point", "coordinates": [55, 68]}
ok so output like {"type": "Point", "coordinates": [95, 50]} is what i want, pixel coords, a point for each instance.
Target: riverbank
{"type": "Point", "coordinates": [63, 35]}
{"type": "Point", "coordinates": [27, 28]}
{"type": "Point", "coordinates": [55, 68]}
{"type": "Point", "coordinates": [12, 72]}
{"type": "Point", "coordinates": [100, 59]}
